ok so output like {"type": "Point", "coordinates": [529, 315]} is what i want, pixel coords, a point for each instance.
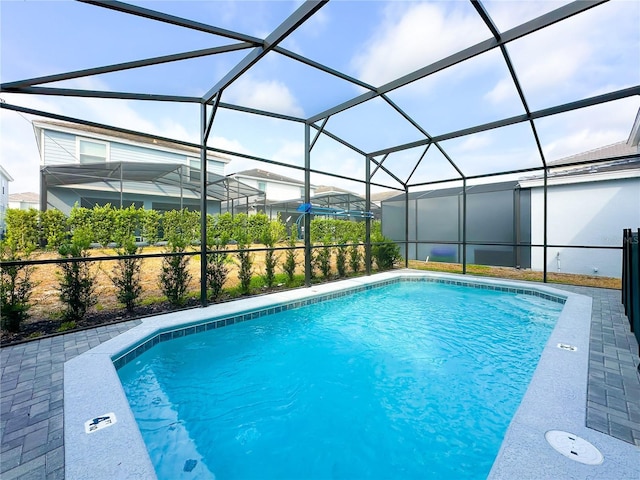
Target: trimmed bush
{"type": "Point", "coordinates": [16, 288]}
{"type": "Point", "coordinates": [77, 283]}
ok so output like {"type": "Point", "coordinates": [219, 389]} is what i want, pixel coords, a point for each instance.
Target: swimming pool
{"type": "Point", "coordinates": [411, 380]}
{"type": "Point", "coordinates": [555, 398]}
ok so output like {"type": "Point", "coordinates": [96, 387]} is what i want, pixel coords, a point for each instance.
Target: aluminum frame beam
{"type": "Point", "coordinates": [171, 19]}
{"type": "Point", "coordinates": [117, 67]}
{"type": "Point", "coordinates": [545, 112]}
{"type": "Point", "coordinates": [515, 33]}
{"type": "Point", "coordinates": [71, 92]}
{"type": "Point", "coordinates": [297, 18]}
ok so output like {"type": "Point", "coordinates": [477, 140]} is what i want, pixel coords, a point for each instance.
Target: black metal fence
{"type": "Point", "coordinates": [631, 280]}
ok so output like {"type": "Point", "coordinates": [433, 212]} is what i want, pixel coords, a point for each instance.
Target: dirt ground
{"type": "Point", "coordinates": [45, 313]}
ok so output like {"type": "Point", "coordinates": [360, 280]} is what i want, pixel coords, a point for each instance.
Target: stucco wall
{"type": "Point", "coordinates": [588, 213]}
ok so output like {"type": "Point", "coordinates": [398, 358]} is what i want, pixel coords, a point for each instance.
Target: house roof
{"type": "Point", "coordinates": [149, 142]}
{"type": "Point", "coordinates": [331, 188]}
{"type": "Point", "coordinates": [31, 197]}
{"type": "Point", "coordinates": [619, 149]}
{"type": "Point", "coordinates": [161, 173]}
{"type": "Point", "coordinates": [265, 175]}
{"type": "Point", "coordinates": [5, 174]}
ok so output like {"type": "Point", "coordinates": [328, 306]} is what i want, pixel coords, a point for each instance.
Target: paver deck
{"type": "Point", "coordinates": [31, 388]}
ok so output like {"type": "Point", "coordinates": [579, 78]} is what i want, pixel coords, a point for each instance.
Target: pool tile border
{"type": "Point", "coordinates": [122, 359]}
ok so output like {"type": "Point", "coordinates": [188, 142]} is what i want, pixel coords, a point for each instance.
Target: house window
{"type": "Point", "coordinates": [90, 151]}
{"type": "Point", "coordinates": [262, 186]}
{"type": "Point", "coordinates": [194, 170]}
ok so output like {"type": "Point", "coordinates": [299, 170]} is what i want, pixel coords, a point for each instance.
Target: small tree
{"type": "Point", "coordinates": [16, 288]}
{"type": "Point", "coordinates": [245, 259]}
{"type": "Point", "coordinates": [218, 259]}
{"type": "Point", "coordinates": [355, 257]}
{"type": "Point", "coordinates": [289, 266]}
{"type": "Point", "coordinates": [77, 283]}
{"type": "Point", "coordinates": [341, 260]}
{"type": "Point", "coordinates": [53, 227]}
{"type": "Point", "coordinates": [126, 273]}
{"type": "Point", "coordinates": [174, 273]}
{"type": "Point", "coordinates": [323, 257]}
{"type": "Point", "coordinates": [272, 233]}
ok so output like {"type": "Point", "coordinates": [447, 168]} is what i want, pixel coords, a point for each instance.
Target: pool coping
{"type": "Point", "coordinates": [555, 399]}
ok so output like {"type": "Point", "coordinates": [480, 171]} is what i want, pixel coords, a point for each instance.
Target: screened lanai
{"type": "Point", "coordinates": [372, 96]}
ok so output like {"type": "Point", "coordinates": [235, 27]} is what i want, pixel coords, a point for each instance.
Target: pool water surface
{"type": "Point", "coordinates": [409, 380]}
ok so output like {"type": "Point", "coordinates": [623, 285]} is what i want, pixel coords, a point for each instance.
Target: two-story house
{"type": "Point", "coordinates": [5, 178]}
{"type": "Point", "coordinates": [280, 194]}
{"type": "Point", "coordinates": [89, 166]}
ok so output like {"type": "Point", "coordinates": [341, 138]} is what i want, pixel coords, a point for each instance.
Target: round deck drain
{"type": "Point", "coordinates": [574, 447]}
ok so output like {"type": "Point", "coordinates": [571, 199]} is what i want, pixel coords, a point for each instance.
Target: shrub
{"type": "Point", "coordinates": [126, 274]}
{"type": "Point", "coordinates": [221, 226]}
{"type": "Point", "coordinates": [385, 252]}
{"type": "Point", "coordinates": [53, 227]}
{"type": "Point", "coordinates": [245, 259]}
{"type": "Point", "coordinates": [272, 233]}
{"type": "Point", "coordinates": [15, 289]}
{"type": "Point", "coordinates": [150, 225]}
{"type": "Point", "coordinates": [77, 283]}
{"type": "Point", "coordinates": [174, 272]}
{"type": "Point", "coordinates": [289, 266]}
{"type": "Point", "coordinates": [323, 258]}
{"type": "Point", "coordinates": [22, 229]}
{"type": "Point", "coordinates": [80, 217]}
{"type": "Point", "coordinates": [181, 227]}
{"type": "Point", "coordinates": [127, 222]}
{"type": "Point", "coordinates": [355, 258]}
{"type": "Point", "coordinates": [103, 224]}
{"type": "Point", "coordinates": [341, 260]}
{"type": "Point", "coordinates": [257, 225]}
{"type": "Point", "coordinates": [217, 271]}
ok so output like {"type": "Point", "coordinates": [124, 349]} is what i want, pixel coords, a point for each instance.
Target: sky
{"type": "Point", "coordinates": [590, 54]}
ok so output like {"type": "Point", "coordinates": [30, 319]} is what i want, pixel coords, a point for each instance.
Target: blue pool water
{"type": "Point", "coordinates": [410, 380]}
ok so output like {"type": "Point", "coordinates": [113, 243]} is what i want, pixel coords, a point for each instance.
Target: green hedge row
{"type": "Point", "coordinates": [104, 225]}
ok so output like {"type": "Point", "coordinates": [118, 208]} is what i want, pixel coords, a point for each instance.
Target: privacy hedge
{"type": "Point", "coordinates": [107, 225]}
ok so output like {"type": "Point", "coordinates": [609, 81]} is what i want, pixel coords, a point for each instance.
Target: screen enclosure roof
{"type": "Point", "coordinates": [391, 94]}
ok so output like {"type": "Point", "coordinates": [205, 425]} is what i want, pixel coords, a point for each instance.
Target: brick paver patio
{"type": "Point", "coordinates": [31, 389]}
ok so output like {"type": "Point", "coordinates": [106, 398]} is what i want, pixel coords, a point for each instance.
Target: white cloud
{"type": "Point", "coordinates": [412, 36]}
{"type": "Point", "coordinates": [588, 128]}
{"type": "Point", "coordinates": [572, 58]}
{"type": "Point", "coordinates": [507, 15]}
{"type": "Point", "coordinates": [270, 95]}
{"type": "Point", "coordinates": [476, 142]}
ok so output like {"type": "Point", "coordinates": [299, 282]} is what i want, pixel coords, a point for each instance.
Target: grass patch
{"type": "Point", "coordinates": [515, 274]}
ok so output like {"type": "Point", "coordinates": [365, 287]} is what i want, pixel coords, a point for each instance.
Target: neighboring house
{"type": "Point", "coordinates": [5, 178]}
{"type": "Point", "coordinates": [93, 166]}
{"type": "Point", "coordinates": [276, 187]}
{"type": "Point", "coordinates": [588, 205]}
{"type": "Point", "coordinates": [280, 194]}
{"type": "Point", "coordinates": [24, 201]}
